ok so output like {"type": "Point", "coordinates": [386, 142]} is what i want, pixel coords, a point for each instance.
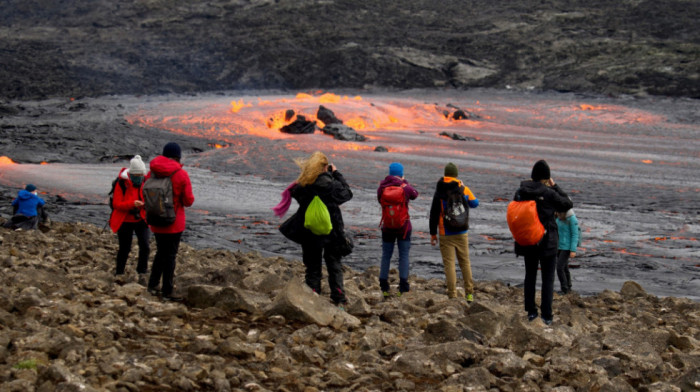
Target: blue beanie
{"type": "Point", "coordinates": [172, 150]}
{"type": "Point", "coordinates": [30, 188]}
{"type": "Point", "coordinates": [396, 169]}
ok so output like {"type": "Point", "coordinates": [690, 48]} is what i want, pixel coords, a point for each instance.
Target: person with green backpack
{"type": "Point", "coordinates": [318, 224]}
{"type": "Point", "coordinates": [569, 240]}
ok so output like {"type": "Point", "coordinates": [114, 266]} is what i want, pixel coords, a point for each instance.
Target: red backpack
{"type": "Point", "coordinates": [394, 207]}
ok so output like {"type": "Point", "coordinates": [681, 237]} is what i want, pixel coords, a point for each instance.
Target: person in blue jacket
{"type": "Point", "coordinates": [27, 209]}
{"type": "Point", "coordinates": [567, 225]}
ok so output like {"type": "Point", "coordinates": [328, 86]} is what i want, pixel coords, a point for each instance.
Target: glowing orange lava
{"type": "Point", "coordinates": [6, 161]}
{"type": "Point", "coordinates": [591, 107]}
{"type": "Point", "coordinates": [647, 161]}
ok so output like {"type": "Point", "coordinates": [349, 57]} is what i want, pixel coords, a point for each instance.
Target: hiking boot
{"type": "Point", "coordinates": [470, 298]}
{"type": "Point", "coordinates": [547, 321]}
{"type": "Point", "coordinates": [341, 307]}
{"type": "Point", "coordinates": [172, 298]}
{"type": "Point", "coordinates": [386, 295]}
{"type": "Point", "coordinates": [143, 279]}
{"type": "Point", "coordinates": [531, 316]}
{"type": "Point", "coordinates": [154, 292]}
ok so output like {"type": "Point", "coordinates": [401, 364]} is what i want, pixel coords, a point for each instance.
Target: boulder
{"type": "Point", "coordinates": [631, 289]}
{"type": "Point", "coordinates": [298, 302]}
{"type": "Point", "coordinates": [343, 132]}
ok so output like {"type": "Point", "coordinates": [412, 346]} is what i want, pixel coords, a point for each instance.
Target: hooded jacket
{"type": "Point", "coordinates": [123, 202]}
{"type": "Point", "coordinates": [409, 191]}
{"type": "Point", "coordinates": [548, 201]}
{"type": "Point", "coordinates": [333, 191]}
{"type": "Point", "coordinates": [444, 185]}
{"type": "Point", "coordinates": [182, 191]}
{"type": "Point", "coordinates": [26, 203]}
{"type": "Point", "coordinates": [568, 232]}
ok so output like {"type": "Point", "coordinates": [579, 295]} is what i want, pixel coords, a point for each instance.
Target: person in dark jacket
{"type": "Point", "coordinates": [320, 178]}
{"type": "Point", "coordinates": [27, 210]}
{"type": "Point", "coordinates": [400, 236]}
{"type": "Point", "coordinates": [453, 241]}
{"type": "Point", "coordinates": [549, 198]}
{"type": "Point", "coordinates": [129, 218]}
{"type": "Point", "coordinates": [168, 237]}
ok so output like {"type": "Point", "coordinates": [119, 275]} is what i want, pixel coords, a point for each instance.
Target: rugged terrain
{"type": "Point", "coordinates": [249, 324]}
{"type": "Point", "coordinates": [74, 49]}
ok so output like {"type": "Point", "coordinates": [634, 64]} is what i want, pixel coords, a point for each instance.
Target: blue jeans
{"type": "Point", "coordinates": [404, 245]}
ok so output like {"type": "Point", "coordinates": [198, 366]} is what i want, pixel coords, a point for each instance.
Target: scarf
{"type": "Point", "coordinates": [283, 206]}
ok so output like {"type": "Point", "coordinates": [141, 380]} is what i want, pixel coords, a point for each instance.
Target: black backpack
{"type": "Point", "coordinates": [122, 185]}
{"type": "Point", "coordinates": [158, 201]}
{"type": "Point", "coordinates": [456, 214]}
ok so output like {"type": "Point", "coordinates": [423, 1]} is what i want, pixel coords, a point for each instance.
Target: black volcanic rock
{"type": "Point", "coordinates": [132, 47]}
{"type": "Point", "coordinates": [299, 126]}
{"type": "Point", "coordinates": [327, 116]}
{"type": "Point", "coordinates": [343, 132]}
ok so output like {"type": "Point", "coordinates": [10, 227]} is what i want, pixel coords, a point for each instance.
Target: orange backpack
{"type": "Point", "coordinates": [524, 223]}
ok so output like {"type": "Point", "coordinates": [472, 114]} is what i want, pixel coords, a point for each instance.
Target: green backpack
{"type": "Point", "coordinates": [317, 218]}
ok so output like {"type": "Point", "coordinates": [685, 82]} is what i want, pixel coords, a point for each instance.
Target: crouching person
{"type": "Point", "coordinates": [27, 210]}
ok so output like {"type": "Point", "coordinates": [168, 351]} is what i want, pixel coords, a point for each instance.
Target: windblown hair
{"type": "Point", "coordinates": [311, 168]}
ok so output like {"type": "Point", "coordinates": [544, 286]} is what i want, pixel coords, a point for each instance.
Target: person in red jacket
{"type": "Point", "coordinates": [168, 237]}
{"type": "Point", "coordinates": [128, 216]}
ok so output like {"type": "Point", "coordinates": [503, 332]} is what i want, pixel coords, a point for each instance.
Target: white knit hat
{"type": "Point", "coordinates": [137, 166]}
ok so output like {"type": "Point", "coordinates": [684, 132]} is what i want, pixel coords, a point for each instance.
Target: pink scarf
{"type": "Point", "coordinates": [283, 206]}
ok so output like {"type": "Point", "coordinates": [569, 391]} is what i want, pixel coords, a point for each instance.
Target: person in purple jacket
{"type": "Point", "coordinates": [400, 235]}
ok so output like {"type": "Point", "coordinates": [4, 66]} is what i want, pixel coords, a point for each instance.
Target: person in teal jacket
{"type": "Point", "coordinates": [567, 225]}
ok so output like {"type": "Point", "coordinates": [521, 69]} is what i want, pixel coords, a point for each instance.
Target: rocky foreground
{"type": "Point", "coordinates": [249, 323]}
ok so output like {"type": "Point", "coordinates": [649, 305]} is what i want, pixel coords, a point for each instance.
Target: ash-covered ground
{"type": "Point", "coordinates": [630, 165]}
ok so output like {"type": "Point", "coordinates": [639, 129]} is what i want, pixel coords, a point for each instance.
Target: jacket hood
{"type": "Point", "coordinates": [24, 195]}
{"type": "Point", "coordinates": [446, 184]}
{"type": "Point", "coordinates": [323, 182]}
{"type": "Point", "coordinates": [391, 181]}
{"type": "Point", "coordinates": [124, 173]}
{"type": "Point", "coordinates": [531, 190]}
{"type": "Point", "coordinates": [164, 167]}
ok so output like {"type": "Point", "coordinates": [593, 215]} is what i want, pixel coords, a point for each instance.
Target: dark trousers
{"type": "Point", "coordinates": [548, 265]}
{"type": "Point", "coordinates": [312, 255]}
{"type": "Point", "coordinates": [563, 270]}
{"type": "Point", "coordinates": [164, 262]}
{"type": "Point", "coordinates": [126, 235]}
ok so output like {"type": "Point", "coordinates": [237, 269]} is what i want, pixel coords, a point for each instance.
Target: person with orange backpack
{"type": "Point", "coordinates": [394, 193]}
{"type": "Point", "coordinates": [449, 216]}
{"type": "Point", "coordinates": [549, 198]}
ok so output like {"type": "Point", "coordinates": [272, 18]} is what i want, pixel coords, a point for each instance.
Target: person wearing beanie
{"type": "Point", "coordinates": [27, 210]}
{"type": "Point", "coordinates": [449, 218]}
{"type": "Point", "coordinates": [394, 193]}
{"type": "Point", "coordinates": [172, 150]}
{"type": "Point", "coordinates": [129, 217]}
{"type": "Point", "coordinates": [168, 237]}
{"type": "Point", "coordinates": [549, 198]}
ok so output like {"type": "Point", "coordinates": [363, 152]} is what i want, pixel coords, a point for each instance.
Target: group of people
{"type": "Point", "coordinates": [448, 225]}
{"type": "Point", "coordinates": [129, 217]}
